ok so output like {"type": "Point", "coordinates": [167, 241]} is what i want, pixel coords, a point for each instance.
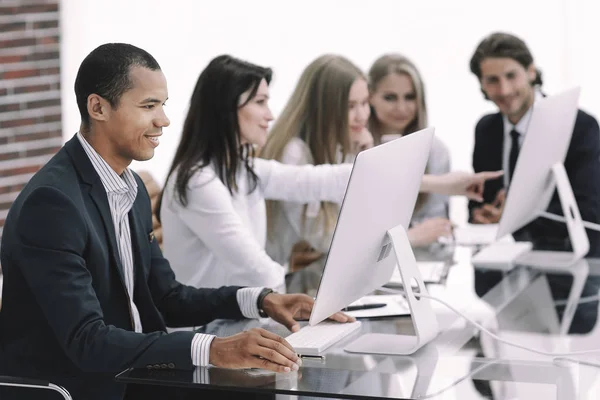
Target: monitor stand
{"type": "Point", "coordinates": [562, 261]}
{"type": "Point", "coordinates": [397, 249]}
{"type": "Point", "coordinates": [505, 255]}
{"type": "Point", "coordinates": [577, 234]}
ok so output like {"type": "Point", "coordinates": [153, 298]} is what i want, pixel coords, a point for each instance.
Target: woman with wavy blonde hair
{"type": "Point", "coordinates": [324, 122]}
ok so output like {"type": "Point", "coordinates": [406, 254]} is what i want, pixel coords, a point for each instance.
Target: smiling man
{"type": "Point", "coordinates": [509, 78]}
{"type": "Point", "coordinates": [87, 292]}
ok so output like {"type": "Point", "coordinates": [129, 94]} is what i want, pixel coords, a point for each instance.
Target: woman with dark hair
{"type": "Point", "coordinates": [213, 206]}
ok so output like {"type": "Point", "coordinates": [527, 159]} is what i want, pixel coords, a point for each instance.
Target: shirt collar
{"type": "Point", "coordinates": [112, 182]}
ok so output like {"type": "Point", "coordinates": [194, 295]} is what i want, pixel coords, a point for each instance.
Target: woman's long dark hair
{"type": "Point", "coordinates": [211, 133]}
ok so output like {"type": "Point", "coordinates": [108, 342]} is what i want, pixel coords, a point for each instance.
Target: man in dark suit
{"type": "Point", "coordinates": [508, 77]}
{"type": "Point", "coordinates": [87, 292]}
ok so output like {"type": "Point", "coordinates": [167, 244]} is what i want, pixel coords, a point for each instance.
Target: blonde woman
{"type": "Point", "coordinates": [398, 108]}
{"type": "Point", "coordinates": [324, 122]}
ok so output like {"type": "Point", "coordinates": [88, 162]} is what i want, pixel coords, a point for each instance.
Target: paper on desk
{"type": "Point", "coordinates": [475, 234]}
{"type": "Point", "coordinates": [396, 306]}
{"type": "Point", "coordinates": [425, 268]}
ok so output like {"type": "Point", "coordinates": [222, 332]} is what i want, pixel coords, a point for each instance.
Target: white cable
{"type": "Point", "coordinates": [582, 300]}
{"type": "Point", "coordinates": [560, 218]}
{"type": "Point", "coordinates": [498, 338]}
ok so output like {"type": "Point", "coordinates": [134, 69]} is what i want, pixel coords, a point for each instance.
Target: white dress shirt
{"type": "Point", "coordinates": [219, 239]}
{"type": "Point", "coordinates": [121, 192]}
{"type": "Point", "coordinates": [520, 127]}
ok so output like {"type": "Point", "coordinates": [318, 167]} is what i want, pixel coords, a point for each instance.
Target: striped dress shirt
{"type": "Point", "coordinates": [121, 192]}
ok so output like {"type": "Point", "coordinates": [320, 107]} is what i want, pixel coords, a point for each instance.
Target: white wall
{"type": "Point", "coordinates": [438, 35]}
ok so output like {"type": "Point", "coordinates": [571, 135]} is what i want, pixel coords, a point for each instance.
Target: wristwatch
{"type": "Point", "coordinates": [261, 300]}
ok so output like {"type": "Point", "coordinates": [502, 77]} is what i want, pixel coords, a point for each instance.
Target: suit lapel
{"type": "Point", "coordinates": [90, 177]}
{"type": "Point", "coordinates": [489, 154]}
{"type": "Point", "coordinates": [496, 143]}
{"type": "Point", "coordinates": [98, 195]}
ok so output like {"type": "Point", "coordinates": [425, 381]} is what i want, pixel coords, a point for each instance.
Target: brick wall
{"type": "Point", "coordinates": [30, 108]}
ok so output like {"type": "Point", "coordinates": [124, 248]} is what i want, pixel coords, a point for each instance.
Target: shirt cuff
{"type": "Point", "coordinates": [247, 298]}
{"type": "Point", "coordinates": [201, 349]}
{"type": "Point", "coordinates": [202, 375]}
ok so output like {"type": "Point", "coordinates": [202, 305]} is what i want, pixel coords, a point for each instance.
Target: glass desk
{"type": "Point", "coordinates": [460, 363]}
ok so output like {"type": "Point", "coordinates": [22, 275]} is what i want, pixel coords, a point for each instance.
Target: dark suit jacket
{"type": "Point", "coordinates": [583, 169]}
{"type": "Point", "coordinates": [65, 315]}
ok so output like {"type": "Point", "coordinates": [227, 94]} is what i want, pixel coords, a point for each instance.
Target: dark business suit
{"type": "Point", "coordinates": [65, 314]}
{"type": "Point", "coordinates": [582, 164]}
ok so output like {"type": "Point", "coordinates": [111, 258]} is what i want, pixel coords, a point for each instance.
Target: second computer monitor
{"type": "Point", "coordinates": [545, 144]}
{"type": "Point", "coordinates": [381, 195]}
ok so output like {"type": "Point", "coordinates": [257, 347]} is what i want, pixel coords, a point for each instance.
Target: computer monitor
{"type": "Point", "coordinates": [370, 234]}
{"type": "Point", "coordinates": [539, 171]}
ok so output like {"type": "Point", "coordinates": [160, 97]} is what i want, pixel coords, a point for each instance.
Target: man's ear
{"type": "Point", "coordinates": [485, 96]}
{"type": "Point", "coordinates": [98, 108]}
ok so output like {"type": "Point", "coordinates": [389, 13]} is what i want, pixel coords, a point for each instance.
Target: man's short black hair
{"type": "Point", "coordinates": [105, 72]}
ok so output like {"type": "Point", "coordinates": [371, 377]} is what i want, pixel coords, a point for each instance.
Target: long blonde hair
{"type": "Point", "coordinates": [399, 64]}
{"type": "Point", "coordinates": [317, 113]}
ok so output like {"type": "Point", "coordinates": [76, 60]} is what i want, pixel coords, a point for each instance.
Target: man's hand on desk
{"type": "Point", "coordinates": [287, 308]}
{"type": "Point", "coordinates": [254, 348]}
{"type": "Point", "coordinates": [490, 213]}
{"type": "Point", "coordinates": [258, 348]}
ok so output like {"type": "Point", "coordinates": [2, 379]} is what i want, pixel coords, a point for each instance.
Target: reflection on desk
{"type": "Point", "coordinates": [454, 365]}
